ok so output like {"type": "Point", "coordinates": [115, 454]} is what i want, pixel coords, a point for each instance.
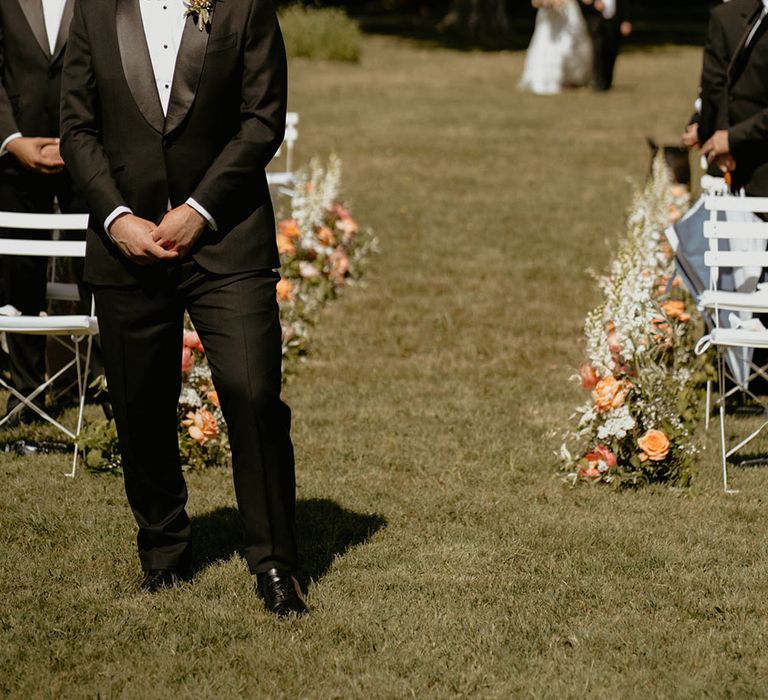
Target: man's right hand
{"type": "Point", "coordinates": [133, 235]}
{"type": "Point", "coordinates": [36, 154]}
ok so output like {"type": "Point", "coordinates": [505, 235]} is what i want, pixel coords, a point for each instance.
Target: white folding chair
{"type": "Point", "coordinates": [78, 328]}
{"type": "Point", "coordinates": [717, 300]}
{"type": "Point", "coordinates": [282, 180]}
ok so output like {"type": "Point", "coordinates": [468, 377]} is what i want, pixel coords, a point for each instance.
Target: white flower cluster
{"type": "Point", "coordinates": [315, 191]}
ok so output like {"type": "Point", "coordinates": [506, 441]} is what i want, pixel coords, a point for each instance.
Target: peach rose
{"type": "Point", "coordinates": [187, 359]}
{"type": "Point", "coordinates": [654, 445]}
{"type": "Point", "coordinates": [192, 340]}
{"type": "Point", "coordinates": [589, 377]}
{"type": "Point", "coordinates": [339, 211]}
{"type": "Point", "coordinates": [284, 290]}
{"type": "Point", "coordinates": [213, 397]}
{"type": "Point", "coordinates": [339, 265]}
{"type": "Point", "coordinates": [325, 236]}
{"type": "Point", "coordinates": [285, 245]}
{"type": "Point", "coordinates": [676, 309]}
{"type": "Point", "coordinates": [601, 454]}
{"type": "Point", "coordinates": [348, 227]}
{"type": "Point", "coordinates": [201, 425]}
{"type": "Point", "coordinates": [609, 394]}
{"type": "Point", "coordinates": [589, 473]}
{"type": "Point", "coordinates": [289, 228]}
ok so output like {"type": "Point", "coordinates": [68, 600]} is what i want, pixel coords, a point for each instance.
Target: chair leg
{"type": "Point", "coordinates": [709, 404]}
{"type": "Point", "coordinates": [82, 383]}
{"type": "Point", "coordinates": [723, 450]}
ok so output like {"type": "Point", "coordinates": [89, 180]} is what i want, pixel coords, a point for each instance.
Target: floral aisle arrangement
{"type": "Point", "coordinates": [322, 249]}
{"type": "Point", "coordinates": [641, 374]}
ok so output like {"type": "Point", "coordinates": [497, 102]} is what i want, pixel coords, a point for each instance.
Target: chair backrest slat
{"type": "Point", "coordinates": [737, 204]}
{"type": "Point", "coordinates": [45, 249]}
{"type": "Point", "coordinates": [728, 258]}
{"type": "Point", "coordinates": [43, 222]}
{"type": "Point", "coordinates": [736, 230]}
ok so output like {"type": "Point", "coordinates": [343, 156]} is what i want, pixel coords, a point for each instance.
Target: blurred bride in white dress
{"type": "Point", "coordinates": [560, 53]}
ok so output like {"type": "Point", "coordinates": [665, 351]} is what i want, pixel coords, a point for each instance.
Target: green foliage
{"type": "Point", "coordinates": [320, 33]}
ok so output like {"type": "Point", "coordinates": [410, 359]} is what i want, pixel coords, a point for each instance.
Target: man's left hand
{"type": "Point", "coordinates": [179, 230]}
{"type": "Point", "coordinates": [719, 145]}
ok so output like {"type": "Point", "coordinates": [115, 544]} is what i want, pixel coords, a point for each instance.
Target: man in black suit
{"type": "Point", "coordinates": [33, 36]}
{"type": "Point", "coordinates": [735, 122]}
{"type": "Point", "coordinates": [170, 114]}
{"type": "Point", "coordinates": [608, 21]}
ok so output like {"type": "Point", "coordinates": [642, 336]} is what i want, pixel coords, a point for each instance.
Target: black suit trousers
{"type": "Point", "coordinates": [24, 278]}
{"type": "Point", "coordinates": [606, 38]}
{"type": "Point", "coordinates": [237, 318]}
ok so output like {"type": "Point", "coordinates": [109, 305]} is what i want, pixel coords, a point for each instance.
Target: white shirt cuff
{"type": "Point", "coordinates": [5, 143]}
{"type": "Point", "coordinates": [117, 212]}
{"type": "Point", "coordinates": [200, 209]}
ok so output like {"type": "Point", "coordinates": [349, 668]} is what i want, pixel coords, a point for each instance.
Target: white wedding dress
{"type": "Point", "coordinates": [560, 53]}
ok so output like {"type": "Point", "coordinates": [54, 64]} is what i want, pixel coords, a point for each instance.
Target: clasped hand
{"type": "Point", "coordinates": [144, 243]}
{"type": "Point", "coordinates": [718, 150]}
{"type": "Point", "coordinates": [41, 155]}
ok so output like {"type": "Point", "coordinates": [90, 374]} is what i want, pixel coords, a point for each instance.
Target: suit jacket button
{"type": "Point", "coordinates": [167, 143]}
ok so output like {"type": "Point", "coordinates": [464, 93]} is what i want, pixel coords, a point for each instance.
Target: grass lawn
{"type": "Point", "coordinates": [443, 557]}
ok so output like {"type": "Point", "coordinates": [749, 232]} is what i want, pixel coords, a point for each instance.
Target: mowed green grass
{"type": "Point", "coordinates": [443, 556]}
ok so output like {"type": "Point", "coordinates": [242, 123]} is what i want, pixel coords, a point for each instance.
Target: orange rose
{"type": "Point", "coordinates": [609, 394]}
{"type": "Point", "coordinates": [655, 446]}
{"type": "Point", "coordinates": [284, 290]}
{"type": "Point", "coordinates": [325, 236]}
{"type": "Point", "coordinates": [676, 309]}
{"type": "Point", "coordinates": [285, 245]}
{"type": "Point", "coordinates": [289, 228]}
{"type": "Point", "coordinates": [589, 377]}
{"type": "Point", "coordinates": [201, 425]}
{"type": "Point", "coordinates": [213, 397]}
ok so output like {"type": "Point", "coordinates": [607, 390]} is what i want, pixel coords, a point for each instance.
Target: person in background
{"type": "Point", "coordinates": [608, 22]}
{"type": "Point", "coordinates": [33, 36]}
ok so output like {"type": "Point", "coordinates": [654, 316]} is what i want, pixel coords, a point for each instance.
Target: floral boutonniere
{"type": "Point", "coordinates": [201, 10]}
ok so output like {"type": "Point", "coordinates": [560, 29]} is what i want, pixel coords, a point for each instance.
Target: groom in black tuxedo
{"type": "Point", "coordinates": [170, 114]}
{"type": "Point", "coordinates": [608, 22]}
{"type": "Point", "coordinates": [33, 36]}
{"type": "Point", "coordinates": [734, 118]}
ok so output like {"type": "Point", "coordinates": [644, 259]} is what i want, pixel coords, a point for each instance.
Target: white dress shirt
{"type": "Point", "coordinates": [163, 22]}
{"type": "Point", "coordinates": [53, 11]}
{"type": "Point", "coordinates": [609, 9]}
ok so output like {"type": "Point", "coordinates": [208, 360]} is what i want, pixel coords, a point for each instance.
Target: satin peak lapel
{"type": "Point", "coordinates": [66, 21]}
{"type": "Point", "coordinates": [33, 11]}
{"type": "Point", "coordinates": [137, 64]}
{"type": "Point", "coordinates": [741, 54]}
{"type": "Point", "coordinates": [186, 77]}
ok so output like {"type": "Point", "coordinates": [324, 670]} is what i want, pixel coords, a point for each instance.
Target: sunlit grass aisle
{"type": "Point", "coordinates": [447, 560]}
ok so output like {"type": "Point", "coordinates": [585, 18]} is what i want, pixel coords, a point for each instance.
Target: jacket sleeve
{"type": "Point", "coordinates": [81, 148]}
{"type": "Point", "coordinates": [229, 180]}
{"type": "Point", "coordinates": [714, 81]}
{"type": "Point", "coordinates": [8, 124]}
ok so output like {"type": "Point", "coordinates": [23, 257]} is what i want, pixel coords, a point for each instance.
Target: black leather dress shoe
{"type": "Point", "coordinates": [157, 579]}
{"type": "Point", "coordinates": [281, 593]}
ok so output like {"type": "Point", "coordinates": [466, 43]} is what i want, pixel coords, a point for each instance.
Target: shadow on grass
{"type": "Point", "coordinates": [325, 530]}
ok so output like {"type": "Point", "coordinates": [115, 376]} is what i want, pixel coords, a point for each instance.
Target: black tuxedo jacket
{"type": "Point", "coordinates": [225, 121]}
{"type": "Point", "coordinates": [735, 90]}
{"type": "Point", "coordinates": [30, 76]}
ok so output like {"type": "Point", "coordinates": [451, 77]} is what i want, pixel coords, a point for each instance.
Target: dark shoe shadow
{"type": "Point", "coordinates": [325, 530]}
